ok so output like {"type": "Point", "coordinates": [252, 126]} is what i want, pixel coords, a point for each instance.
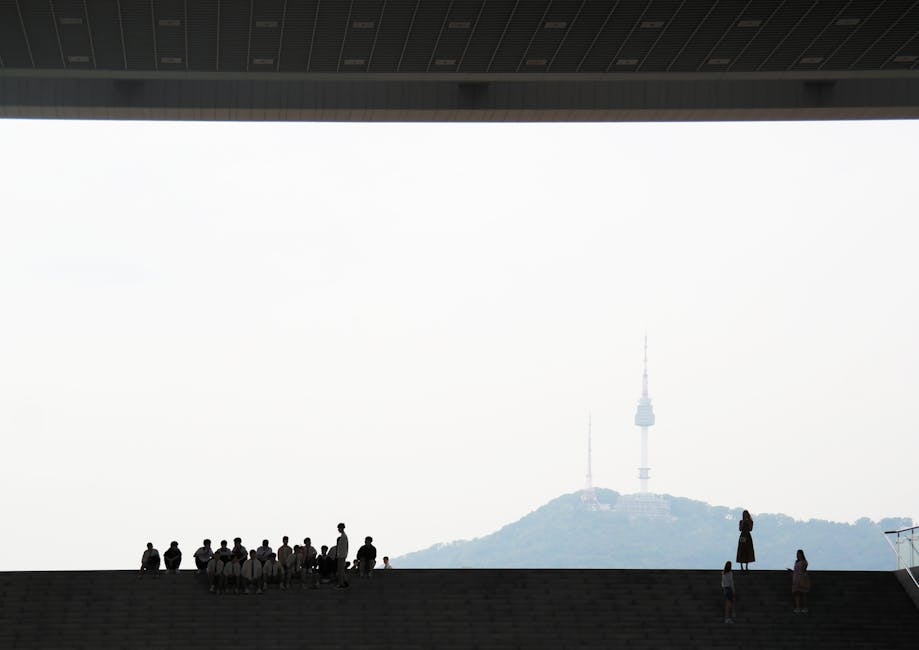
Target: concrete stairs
{"type": "Point", "coordinates": [460, 608]}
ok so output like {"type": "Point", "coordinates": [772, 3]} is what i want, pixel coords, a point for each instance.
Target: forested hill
{"type": "Point", "coordinates": [565, 534]}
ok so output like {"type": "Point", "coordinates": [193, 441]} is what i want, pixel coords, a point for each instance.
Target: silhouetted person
{"type": "Point", "coordinates": [203, 555]}
{"type": "Point", "coordinates": [341, 555]}
{"type": "Point", "coordinates": [745, 553]}
{"type": "Point", "coordinates": [284, 551]}
{"type": "Point", "coordinates": [150, 561]}
{"type": "Point", "coordinates": [172, 558]}
{"type": "Point", "coordinates": [225, 553]}
{"type": "Point", "coordinates": [386, 564]}
{"type": "Point", "coordinates": [291, 567]}
{"type": "Point", "coordinates": [309, 555]}
{"type": "Point", "coordinates": [800, 583]}
{"type": "Point", "coordinates": [727, 586]}
{"type": "Point", "coordinates": [263, 552]}
{"type": "Point", "coordinates": [271, 571]}
{"type": "Point", "coordinates": [231, 574]}
{"type": "Point", "coordinates": [239, 551]}
{"type": "Point", "coordinates": [367, 557]}
{"type": "Point", "coordinates": [251, 574]}
{"type": "Point", "coordinates": [214, 571]}
{"type": "Point", "coordinates": [309, 574]}
{"type": "Point", "coordinates": [324, 564]}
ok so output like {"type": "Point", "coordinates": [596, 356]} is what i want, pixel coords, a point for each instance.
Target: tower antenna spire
{"type": "Point", "coordinates": [589, 494]}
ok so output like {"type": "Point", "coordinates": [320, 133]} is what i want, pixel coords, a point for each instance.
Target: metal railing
{"type": "Point", "coordinates": [904, 544]}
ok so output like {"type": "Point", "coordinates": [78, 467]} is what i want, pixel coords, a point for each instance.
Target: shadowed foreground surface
{"type": "Point", "coordinates": [462, 608]}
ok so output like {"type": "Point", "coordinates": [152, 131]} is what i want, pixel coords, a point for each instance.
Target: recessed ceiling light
{"type": "Point", "coordinates": [266, 23]}
{"type": "Point", "coordinates": [169, 22]}
{"type": "Point", "coordinates": [458, 24]}
{"type": "Point", "coordinates": [627, 62]}
{"type": "Point", "coordinates": [67, 20]}
{"type": "Point", "coordinates": [652, 24]}
{"type": "Point", "coordinates": [354, 61]}
{"type": "Point", "coordinates": [263, 61]}
{"type": "Point", "coordinates": [444, 61]}
{"type": "Point", "coordinates": [78, 58]}
{"type": "Point", "coordinates": [847, 22]}
{"type": "Point", "coordinates": [556, 24]}
{"type": "Point", "coordinates": [362, 24]}
{"type": "Point", "coordinates": [905, 58]}
{"type": "Point", "coordinates": [170, 59]}
{"type": "Point", "coordinates": [718, 61]}
{"type": "Point", "coordinates": [749, 23]}
{"type": "Point", "coordinates": [811, 59]}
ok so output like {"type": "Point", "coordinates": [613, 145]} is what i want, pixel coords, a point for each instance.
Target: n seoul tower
{"type": "Point", "coordinates": [644, 418]}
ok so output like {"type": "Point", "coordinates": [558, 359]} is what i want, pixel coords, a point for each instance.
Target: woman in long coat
{"type": "Point", "coordinates": [745, 552]}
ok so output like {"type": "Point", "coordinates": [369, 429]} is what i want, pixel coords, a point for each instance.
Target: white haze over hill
{"type": "Point", "coordinates": [262, 329]}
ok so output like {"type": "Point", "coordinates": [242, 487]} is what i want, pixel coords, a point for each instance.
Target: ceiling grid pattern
{"type": "Point", "coordinates": [472, 36]}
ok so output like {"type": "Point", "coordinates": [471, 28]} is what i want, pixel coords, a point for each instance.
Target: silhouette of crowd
{"type": "Point", "coordinates": [234, 569]}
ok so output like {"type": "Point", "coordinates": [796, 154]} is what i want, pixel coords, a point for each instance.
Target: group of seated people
{"type": "Point", "coordinates": [240, 570]}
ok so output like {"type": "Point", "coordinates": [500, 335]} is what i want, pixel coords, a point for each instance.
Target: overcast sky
{"type": "Point", "coordinates": [262, 329]}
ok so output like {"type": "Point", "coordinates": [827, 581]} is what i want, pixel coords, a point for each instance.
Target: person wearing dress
{"type": "Point", "coordinates": [745, 553]}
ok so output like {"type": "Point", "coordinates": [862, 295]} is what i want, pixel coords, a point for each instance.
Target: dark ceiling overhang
{"type": "Point", "coordinates": [459, 60]}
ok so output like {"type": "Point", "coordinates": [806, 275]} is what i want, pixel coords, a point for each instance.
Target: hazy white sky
{"type": "Point", "coordinates": [262, 329]}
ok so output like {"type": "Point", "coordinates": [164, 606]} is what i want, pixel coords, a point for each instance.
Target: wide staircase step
{"type": "Point", "coordinates": [459, 608]}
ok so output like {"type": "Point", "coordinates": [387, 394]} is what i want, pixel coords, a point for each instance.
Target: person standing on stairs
{"type": "Point", "coordinates": [800, 583]}
{"type": "Point", "coordinates": [745, 553]}
{"type": "Point", "coordinates": [727, 586]}
{"type": "Point", "coordinates": [341, 554]}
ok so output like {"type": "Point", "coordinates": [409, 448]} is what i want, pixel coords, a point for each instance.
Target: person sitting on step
{"type": "Point", "coordinates": [225, 553]}
{"type": "Point", "coordinates": [251, 574]}
{"type": "Point", "coordinates": [203, 555]}
{"type": "Point", "coordinates": [172, 558]}
{"type": "Point", "coordinates": [150, 561]}
{"type": "Point", "coordinates": [263, 551]}
{"type": "Point", "coordinates": [214, 571]}
{"type": "Point", "coordinates": [231, 575]}
{"type": "Point", "coordinates": [325, 565]}
{"type": "Point", "coordinates": [291, 567]}
{"type": "Point", "coordinates": [239, 551]}
{"type": "Point", "coordinates": [367, 557]}
{"type": "Point", "coordinates": [271, 572]}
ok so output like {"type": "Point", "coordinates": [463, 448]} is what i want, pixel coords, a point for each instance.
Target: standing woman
{"type": "Point", "coordinates": [745, 553]}
{"type": "Point", "coordinates": [800, 583]}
